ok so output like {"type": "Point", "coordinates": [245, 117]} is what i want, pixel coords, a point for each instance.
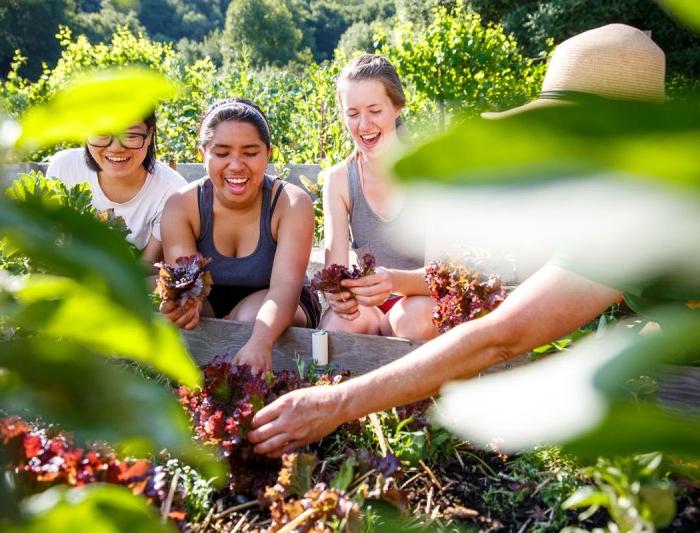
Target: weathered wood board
{"type": "Point", "coordinates": [349, 351]}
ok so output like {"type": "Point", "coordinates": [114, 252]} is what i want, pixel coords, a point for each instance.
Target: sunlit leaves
{"type": "Point", "coordinates": [70, 244]}
{"type": "Point", "coordinates": [96, 508]}
{"type": "Point", "coordinates": [64, 308]}
{"type": "Point", "coordinates": [105, 101]}
{"type": "Point", "coordinates": [684, 10]}
{"type": "Point", "coordinates": [644, 141]}
{"type": "Point", "coordinates": [48, 379]}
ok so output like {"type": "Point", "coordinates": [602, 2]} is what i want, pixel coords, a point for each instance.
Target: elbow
{"type": "Point", "coordinates": [507, 339]}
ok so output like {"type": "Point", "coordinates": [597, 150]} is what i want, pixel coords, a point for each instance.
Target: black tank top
{"type": "Point", "coordinates": [234, 278]}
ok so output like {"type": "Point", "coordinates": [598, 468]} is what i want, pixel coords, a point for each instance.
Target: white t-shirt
{"type": "Point", "coordinates": [142, 213]}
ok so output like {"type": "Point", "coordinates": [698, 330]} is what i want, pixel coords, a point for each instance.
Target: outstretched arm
{"type": "Point", "coordinates": [294, 237]}
{"type": "Point", "coordinates": [550, 304]}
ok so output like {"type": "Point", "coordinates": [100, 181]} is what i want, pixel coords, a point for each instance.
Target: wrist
{"type": "Point", "coordinates": [345, 408]}
{"type": "Point", "coordinates": [392, 274]}
{"type": "Point", "coordinates": [261, 344]}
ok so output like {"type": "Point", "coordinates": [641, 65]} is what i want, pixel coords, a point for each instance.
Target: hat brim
{"type": "Point", "coordinates": [535, 104]}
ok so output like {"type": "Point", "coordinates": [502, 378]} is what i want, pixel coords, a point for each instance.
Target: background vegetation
{"type": "Point", "coordinates": [455, 56]}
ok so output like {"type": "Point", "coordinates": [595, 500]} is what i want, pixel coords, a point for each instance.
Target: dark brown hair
{"type": "Point", "coordinates": [236, 109]}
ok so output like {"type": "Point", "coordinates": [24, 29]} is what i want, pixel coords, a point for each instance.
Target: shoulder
{"type": "Point", "coordinates": [293, 196]}
{"type": "Point", "coordinates": [70, 158]}
{"type": "Point", "coordinates": [338, 173]}
{"type": "Point", "coordinates": [168, 177]}
{"type": "Point", "coordinates": [183, 198]}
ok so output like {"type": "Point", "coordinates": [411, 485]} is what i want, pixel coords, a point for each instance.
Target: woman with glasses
{"type": "Point", "coordinates": [124, 176]}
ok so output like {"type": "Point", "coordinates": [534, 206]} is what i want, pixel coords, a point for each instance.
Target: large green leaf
{"type": "Point", "coordinates": [647, 142]}
{"type": "Point", "coordinates": [685, 11]}
{"type": "Point", "coordinates": [67, 243]}
{"type": "Point", "coordinates": [582, 398]}
{"type": "Point", "coordinates": [104, 101]}
{"type": "Point", "coordinates": [62, 307]}
{"type": "Point", "coordinates": [97, 400]}
{"type": "Point", "coordinates": [96, 508]}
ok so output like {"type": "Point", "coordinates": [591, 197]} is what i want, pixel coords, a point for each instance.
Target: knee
{"type": "Point", "coordinates": [412, 320]}
{"type": "Point", "coordinates": [247, 309]}
{"type": "Point", "coordinates": [362, 324]}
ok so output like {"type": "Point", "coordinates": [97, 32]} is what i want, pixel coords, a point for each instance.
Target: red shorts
{"type": "Point", "coordinates": [389, 303]}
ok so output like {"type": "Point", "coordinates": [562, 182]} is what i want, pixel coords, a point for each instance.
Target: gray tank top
{"type": "Point", "coordinates": [254, 270]}
{"type": "Point", "coordinates": [368, 232]}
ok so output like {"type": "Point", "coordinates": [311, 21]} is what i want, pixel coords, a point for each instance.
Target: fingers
{"type": "Point", "coordinates": [189, 318]}
{"type": "Point", "coordinates": [266, 415]}
{"type": "Point", "coordinates": [288, 448]}
{"type": "Point", "coordinates": [337, 296]}
{"type": "Point", "coordinates": [345, 308]}
{"type": "Point", "coordinates": [167, 306]}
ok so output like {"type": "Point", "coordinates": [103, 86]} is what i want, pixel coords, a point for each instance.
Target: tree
{"type": "Point", "coordinates": [99, 26]}
{"type": "Point", "coordinates": [461, 63]}
{"type": "Point", "coordinates": [533, 22]}
{"type": "Point", "coordinates": [30, 26]}
{"type": "Point", "coordinates": [264, 27]}
{"type": "Point", "coordinates": [358, 37]}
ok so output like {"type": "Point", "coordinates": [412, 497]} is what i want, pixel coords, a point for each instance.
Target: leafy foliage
{"type": "Point", "coordinates": [461, 294]}
{"type": "Point", "coordinates": [90, 508]}
{"type": "Point", "coordinates": [460, 62]}
{"type": "Point", "coordinates": [634, 490]}
{"type": "Point", "coordinates": [266, 29]}
{"type": "Point", "coordinates": [43, 457]}
{"type": "Point", "coordinates": [329, 278]}
{"type": "Point", "coordinates": [222, 411]}
{"type": "Point", "coordinates": [184, 282]}
{"type": "Point", "coordinates": [535, 23]}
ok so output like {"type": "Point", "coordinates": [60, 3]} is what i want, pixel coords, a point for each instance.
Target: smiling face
{"type": "Point", "coordinates": [369, 115]}
{"type": "Point", "coordinates": [236, 159]}
{"type": "Point", "coordinates": [118, 162]}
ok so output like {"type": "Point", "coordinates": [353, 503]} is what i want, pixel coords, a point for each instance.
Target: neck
{"type": "Point", "coordinates": [372, 168]}
{"type": "Point", "coordinates": [136, 179]}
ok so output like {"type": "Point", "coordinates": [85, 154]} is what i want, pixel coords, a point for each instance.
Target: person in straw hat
{"type": "Point", "coordinates": [614, 61]}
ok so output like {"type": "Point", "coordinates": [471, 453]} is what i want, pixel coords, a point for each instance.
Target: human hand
{"type": "Point", "coordinates": [257, 356]}
{"type": "Point", "coordinates": [295, 419]}
{"type": "Point", "coordinates": [371, 290]}
{"type": "Point", "coordinates": [343, 304]}
{"type": "Point", "coordinates": [185, 316]}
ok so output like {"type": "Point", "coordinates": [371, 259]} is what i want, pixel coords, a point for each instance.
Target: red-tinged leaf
{"type": "Point", "coordinates": [328, 279]}
{"type": "Point", "coordinates": [33, 446]}
{"type": "Point", "coordinates": [177, 515]}
{"type": "Point", "coordinates": [186, 282]}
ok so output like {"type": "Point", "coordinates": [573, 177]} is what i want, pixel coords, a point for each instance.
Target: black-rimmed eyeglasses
{"type": "Point", "coordinates": [130, 139]}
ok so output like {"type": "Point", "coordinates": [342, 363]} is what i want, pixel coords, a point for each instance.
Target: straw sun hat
{"type": "Point", "coordinates": [614, 61]}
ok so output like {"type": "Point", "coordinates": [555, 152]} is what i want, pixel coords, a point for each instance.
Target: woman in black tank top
{"type": "Point", "coordinates": [256, 229]}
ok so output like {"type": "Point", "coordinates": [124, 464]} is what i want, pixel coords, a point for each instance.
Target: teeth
{"type": "Point", "coordinates": [237, 181]}
{"type": "Point", "coordinates": [370, 137]}
{"type": "Point", "coordinates": [116, 159]}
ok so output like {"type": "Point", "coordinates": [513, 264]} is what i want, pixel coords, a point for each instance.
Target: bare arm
{"type": "Point", "coordinates": [336, 216]}
{"type": "Point", "coordinates": [294, 239]}
{"type": "Point", "coordinates": [179, 240]}
{"type": "Point", "coordinates": [152, 253]}
{"type": "Point", "coordinates": [550, 304]}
